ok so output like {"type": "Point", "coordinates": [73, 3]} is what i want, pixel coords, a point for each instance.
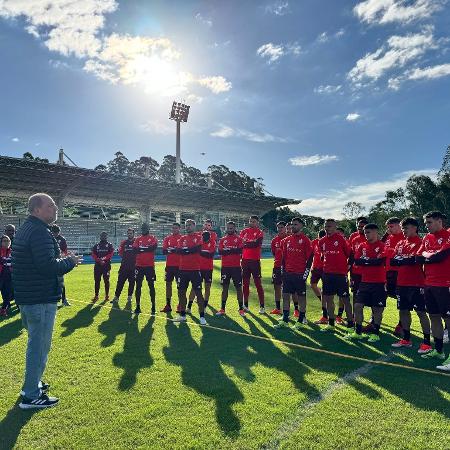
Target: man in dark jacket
{"type": "Point", "coordinates": [37, 276]}
{"type": "Point", "coordinates": [62, 243]}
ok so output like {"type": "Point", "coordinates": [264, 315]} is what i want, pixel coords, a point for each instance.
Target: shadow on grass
{"type": "Point", "coordinates": [135, 355]}
{"type": "Point", "coordinates": [202, 371]}
{"type": "Point", "coordinates": [12, 424]}
{"type": "Point", "coordinates": [10, 331]}
{"type": "Point", "coordinates": [116, 324]}
{"type": "Point", "coordinates": [84, 318]}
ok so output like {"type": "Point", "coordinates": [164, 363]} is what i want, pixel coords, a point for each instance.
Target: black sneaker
{"type": "Point", "coordinates": [44, 401]}
{"type": "Point", "coordinates": [42, 385]}
{"type": "Point", "coordinates": [137, 310]}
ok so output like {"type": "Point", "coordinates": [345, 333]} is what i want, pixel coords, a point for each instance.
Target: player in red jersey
{"type": "Point", "coordinates": [341, 307]}
{"type": "Point", "coordinates": [102, 254]}
{"type": "Point", "coordinates": [251, 261]}
{"type": "Point", "coordinates": [371, 258]}
{"type": "Point", "coordinates": [5, 274]}
{"type": "Point", "coordinates": [169, 248]}
{"type": "Point", "coordinates": [410, 285]}
{"type": "Point", "coordinates": [394, 236]}
{"type": "Point", "coordinates": [289, 228]}
{"type": "Point", "coordinates": [207, 253]}
{"type": "Point", "coordinates": [230, 248]}
{"type": "Point", "coordinates": [316, 276]}
{"type": "Point", "coordinates": [297, 256]}
{"type": "Point", "coordinates": [434, 253]}
{"type": "Point", "coordinates": [335, 252]}
{"type": "Point", "coordinates": [127, 268]}
{"type": "Point", "coordinates": [189, 247]}
{"type": "Point", "coordinates": [145, 246]}
{"type": "Point", "coordinates": [276, 272]}
{"type": "Point", "coordinates": [207, 226]}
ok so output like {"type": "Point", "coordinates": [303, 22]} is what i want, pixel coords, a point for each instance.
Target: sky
{"type": "Point", "coordinates": [327, 101]}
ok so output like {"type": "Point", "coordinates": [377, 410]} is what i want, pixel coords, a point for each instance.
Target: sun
{"type": "Point", "coordinates": [158, 76]}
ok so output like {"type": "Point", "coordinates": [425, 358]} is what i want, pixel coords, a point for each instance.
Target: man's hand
{"type": "Point", "coordinates": [76, 259]}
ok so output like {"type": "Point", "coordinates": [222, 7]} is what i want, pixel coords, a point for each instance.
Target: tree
{"type": "Point", "coordinates": [29, 156]}
{"type": "Point", "coordinates": [422, 195]}
{"type": "Point", "coordinates": [101, 168]}
{"type": "Point", "coordinates": [445, 168]}
{"type": "Point", "coordinates": [119, 165]}
{"type": "Point", "coordinates": [352, 210]}
{"type": "Point", "coordinates": [143, 165]}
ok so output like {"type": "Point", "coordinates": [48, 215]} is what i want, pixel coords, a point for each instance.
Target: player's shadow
{"type": "Point", "coordinates": [84, 318]}
{"type": "Point", "coordinates": [12, 425]}
{"type": "Point", "coordinates": [135, 355]}
{"type": "Point", "coordinates": [10, 331]}
{"type": "Point", "coordinates": [116, 324]}
{"type": "Point", "coordinates": [202, 371]}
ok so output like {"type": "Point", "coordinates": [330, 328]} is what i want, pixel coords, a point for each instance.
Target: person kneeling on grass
{"type": "Point", "coordinates": [372, 292]}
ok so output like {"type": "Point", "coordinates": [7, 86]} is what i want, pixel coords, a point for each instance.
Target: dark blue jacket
{"type": "Point", "coordinates": [37, 268]}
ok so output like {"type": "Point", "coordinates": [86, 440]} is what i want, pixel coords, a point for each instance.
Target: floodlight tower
{"type": "Point", "coordinates": [179, 113]}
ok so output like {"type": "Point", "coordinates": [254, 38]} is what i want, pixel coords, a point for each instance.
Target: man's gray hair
{"type": "Point", "coordinates": [36, 201]}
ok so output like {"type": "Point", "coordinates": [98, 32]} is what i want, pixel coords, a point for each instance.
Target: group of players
{"type": "Point", "coordinates": [399, 264]}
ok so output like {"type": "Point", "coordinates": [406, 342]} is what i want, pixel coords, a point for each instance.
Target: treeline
{"type": "Point", "coordinates": [221, 176]}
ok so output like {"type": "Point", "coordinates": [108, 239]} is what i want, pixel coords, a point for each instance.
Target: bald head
{"type": "Point", "coordinates": [43, 207]}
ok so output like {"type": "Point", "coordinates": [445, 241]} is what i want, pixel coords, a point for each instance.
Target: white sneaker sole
{"type": "Point", "coordinates": [30, 406]}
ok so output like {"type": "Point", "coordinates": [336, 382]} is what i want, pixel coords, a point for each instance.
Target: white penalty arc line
{"type": "Point", "coordinates": [279, 341]}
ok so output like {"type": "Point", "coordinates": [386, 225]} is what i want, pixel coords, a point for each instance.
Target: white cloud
{"type": "Point", "coordinates": [323, 37]}
{"type": "Point", "coordinates": [15, 139]}
{"type": "Point", "coordinates": [398, 51]}
{"type": "Point", "coordinates": [279, 8]}
{"type": "Point", "coordinates": [203, 20]}
{"type": "Point", "coordinates": [426, 73]}
{"type": "Point", "coordinates": [215, 84]}
{"type": "Point", "coordinates": [386, 11]}
{"type": "Point", "coordinates": [312, 160]}
{"type": "Point", "coordinates": [352, 117]}
{"type": "Point", "coordinates": [157, 127]}
{"type": "Point", "coordinates": [66, 26]}
{"type": "Point", "coordinates": [330, 203]}
{"type": "Point", "coordinates": [71, 27]}
{"type": "Point", "coordinates": [328, 89]}
{"type": "Point", "coordinates": [226, 131]}
{"type": "Point", "coordinates": [273, 52]}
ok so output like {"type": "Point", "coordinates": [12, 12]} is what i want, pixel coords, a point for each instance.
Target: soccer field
{"type": "Point", "coordinates": [146, 382]}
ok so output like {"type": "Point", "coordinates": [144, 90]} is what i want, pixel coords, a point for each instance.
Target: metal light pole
{"type": "Point", "coordinates": [179, 113]}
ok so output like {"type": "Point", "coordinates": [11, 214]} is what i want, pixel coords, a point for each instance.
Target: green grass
{"type": "Point", "coordinates": [145, 382]}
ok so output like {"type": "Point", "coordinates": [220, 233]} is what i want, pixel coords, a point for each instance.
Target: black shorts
{"type": "Point", "coordinates": [391, 283]}
{"type": "Point", "coordinates": [276, 276]}
{"type": "Point", "coordinates": [145, 272]}
{"type": "Point", "coordinates": [410, 297]}
{"type": "Point", "coordinates": [206, 276]}
{"type": "Point", "coordinates": [293, 283]}
{"type": "Point", "coordinates": [355, 281]}
{"type": "Point", "coordinates": [437, 300]}
{"type": "Point", "coordinates": [189, 276]}
{"type": "Point", "coordinates": [251, 267]}
{"type": "Point", "coordinates": [104, 270]}
{"type": "Point", "coordinates": [335, 284]}
{"type": "Point", "coordinates": [372, 294]}
{"type": "Point", "coordinates": [231, 273]}
{"type": "Point", "coordinates": [316, 276]}
{"type": "Point", "coordinates": [171, 274]}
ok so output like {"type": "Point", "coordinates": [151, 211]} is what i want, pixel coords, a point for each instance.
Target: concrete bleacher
{"type": "Point", "coordinates": [82, 234]}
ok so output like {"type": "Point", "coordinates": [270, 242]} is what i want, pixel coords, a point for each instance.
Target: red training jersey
{"type": "Point", "coordinates": [5, 259]}
{"type": "Point", "coordinates": [231, 241]}
{"type": "Point", "coordinates": [355, 240]}
{"type": "Point", "coordinates": [170, 244]}
{"type": "Point", "coordinates": [317, 258]}
{"type": "Point", "coordinates": [207, 255]}
{"type": "Point", "coordinates": [391, 241]}
{"type": "Point", "coordinates": [190, 261]}
{"type": "Point", "coordinates": [275, 246]}
{"type": "Point", "coordinates": [212, 235]}
{"type": "Point", "coordinates": [296, 250]}
{"type": "Point", "coordinates": [437, 274]}
{"type": "Point", "coordinates": [252, 236]}
{"type": "Point", "coordinates": [372, 250]}
{"type": "Point", "coordinates": [335, 251]}
{"type": "Point", "coordinates": [103, 251]}
{"type": "Point", "coordinates": [145, 247]}
{"type": "Point", "coordinates": [409, 275]}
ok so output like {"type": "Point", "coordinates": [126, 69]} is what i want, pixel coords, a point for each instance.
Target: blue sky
{"type": "Point", "coordinates": [328, 101]}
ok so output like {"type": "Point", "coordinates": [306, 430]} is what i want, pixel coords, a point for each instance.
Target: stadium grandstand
{"type": "Point", "coordinates": [155, 201]}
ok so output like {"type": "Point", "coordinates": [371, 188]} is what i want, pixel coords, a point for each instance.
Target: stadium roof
{"type": "Point", "coordinates": [20, 178]}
